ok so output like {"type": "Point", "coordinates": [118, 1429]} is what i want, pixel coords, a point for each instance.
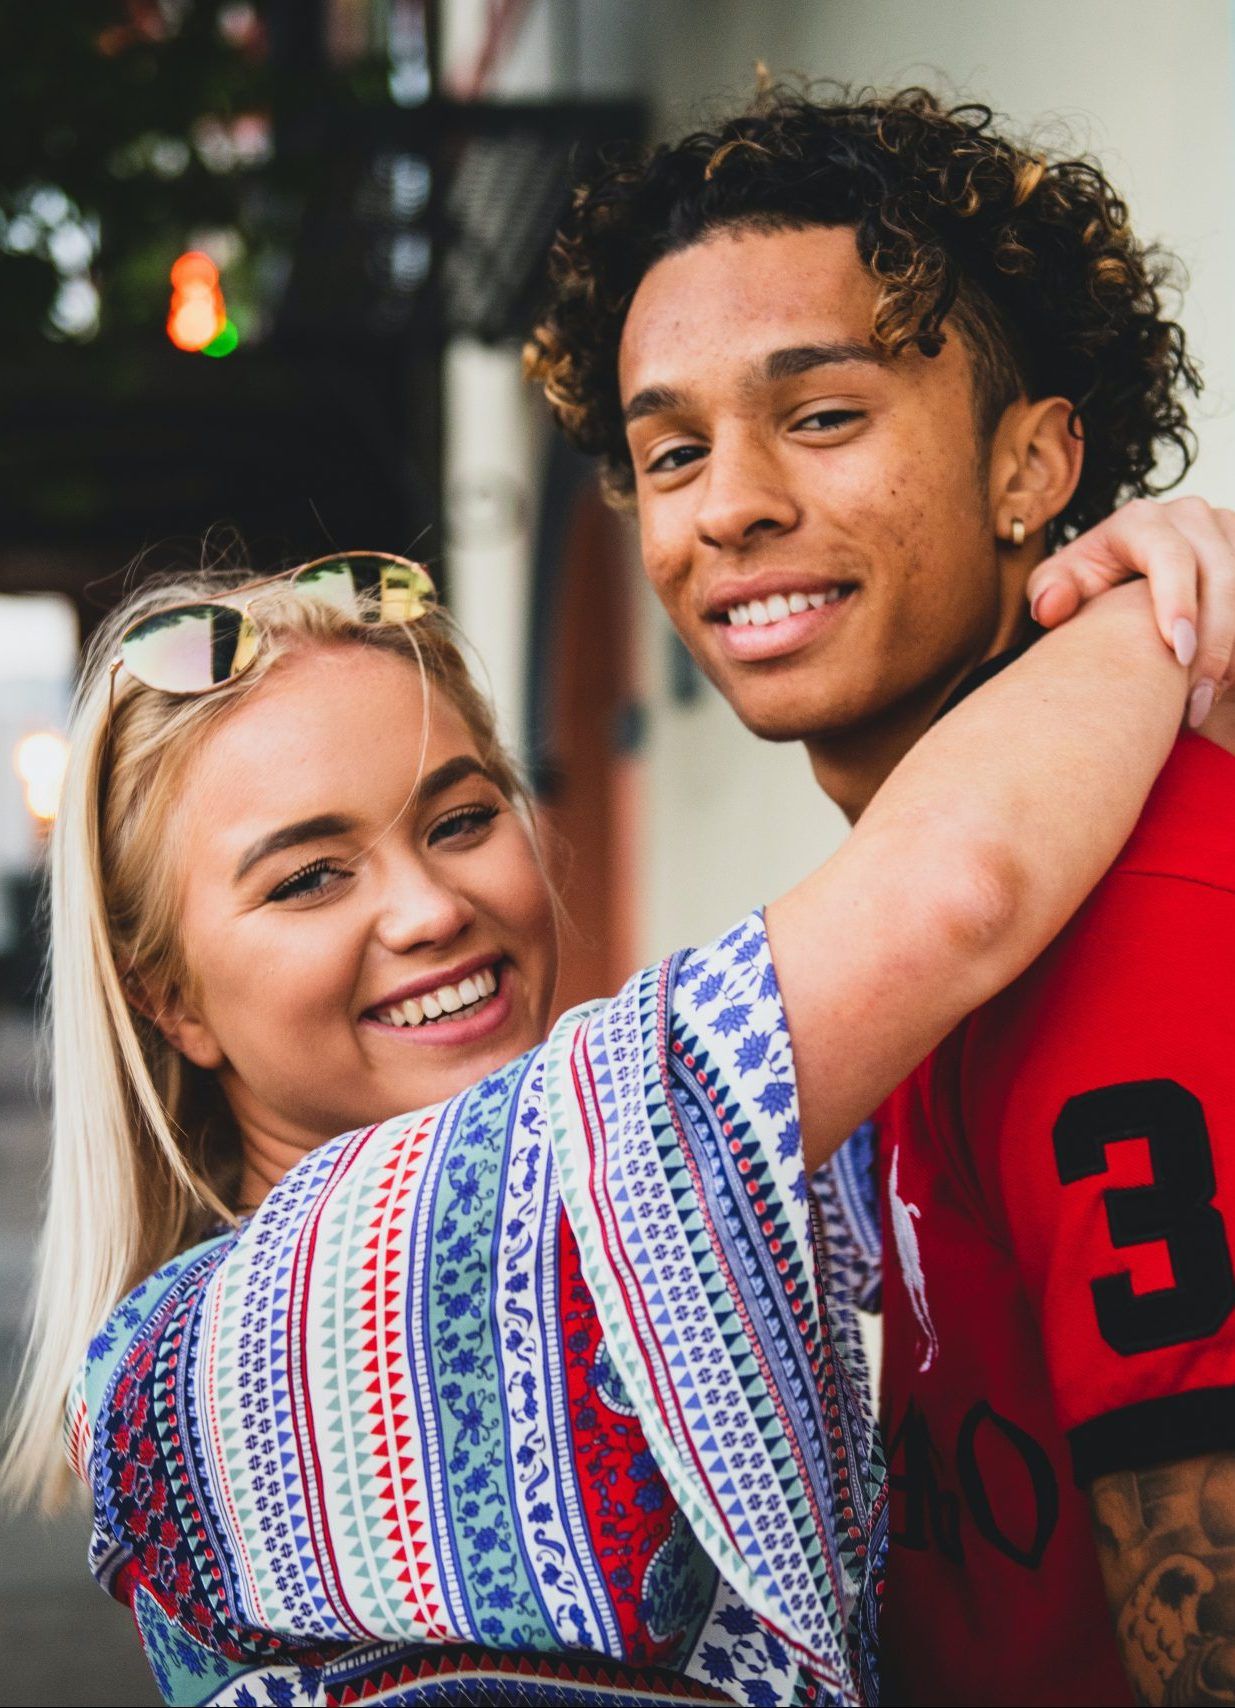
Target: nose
{"type": "Point", "coordinates": [743, 498]}
{"type": "Point", "coordinates": [423, 911]}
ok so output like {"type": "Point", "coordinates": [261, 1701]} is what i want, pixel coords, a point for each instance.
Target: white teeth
{"type": "Point", "coordinates": [446, 1000]}
{"type": "Point", "coordinates": [761, 612]}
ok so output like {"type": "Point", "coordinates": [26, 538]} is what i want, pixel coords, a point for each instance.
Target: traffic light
{"type": "Point", "coordinates": [198, 317]}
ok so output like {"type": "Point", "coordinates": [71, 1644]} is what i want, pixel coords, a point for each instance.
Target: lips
{"type": "Point", "coordinates": [773, 595]}
{"type": "Point", "coordinates": [761, 631]}
{"type": "Point", "coordinates": [777, 607]}
{"type": "Point", "coordinates": [440, 995]}
{"type": "Point", "coordinates": [444, 1000]}
{"type": "Point", "coordinates": [472, 1023]}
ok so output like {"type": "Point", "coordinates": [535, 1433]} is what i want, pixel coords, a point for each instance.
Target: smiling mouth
{"type": "Point", "coordinates": [761, 613]}
{"type": "Point", "coordinates": [447, 1002]}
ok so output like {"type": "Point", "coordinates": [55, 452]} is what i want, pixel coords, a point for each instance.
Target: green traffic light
{"type": "Point", "coordinates": [223, 342]}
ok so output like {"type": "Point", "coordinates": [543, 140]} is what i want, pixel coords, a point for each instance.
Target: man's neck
{"type": "Point", "coordinates": [850, 764]}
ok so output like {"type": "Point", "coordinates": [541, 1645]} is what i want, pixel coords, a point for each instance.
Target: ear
{"type": "Point", "coordinates": [182, 1026]}
{"type": "Point", "coordinates": [1035, 463]}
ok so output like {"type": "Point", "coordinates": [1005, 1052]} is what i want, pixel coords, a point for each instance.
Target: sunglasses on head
{"type": "Point", "coordinates": [194, 649]}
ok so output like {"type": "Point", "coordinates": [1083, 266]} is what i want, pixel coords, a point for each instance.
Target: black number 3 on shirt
{"type": "Point", "coordinates": [1176, 1206]}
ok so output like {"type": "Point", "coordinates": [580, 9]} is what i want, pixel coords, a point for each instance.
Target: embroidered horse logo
{"type": "Point", "coordinates": [903, 1217]}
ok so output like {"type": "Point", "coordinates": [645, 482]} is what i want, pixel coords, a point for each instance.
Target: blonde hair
{"type": "Point", "coordinates": [144, 1156]}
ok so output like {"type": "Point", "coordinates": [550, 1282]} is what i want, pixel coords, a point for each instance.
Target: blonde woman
{"type": "Point", "coordinates": [535, 1395]}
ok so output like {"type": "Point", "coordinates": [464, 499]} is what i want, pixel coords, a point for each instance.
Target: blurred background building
{"type": "Point", "coordinates": [366, 190]}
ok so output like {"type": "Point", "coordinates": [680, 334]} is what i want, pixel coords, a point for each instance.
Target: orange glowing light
{"type": "Point", "coordinates": [193, 324]}
{"type": "Point", "coordinates": [198, 314]}
{"type": "Point", "coordinates": [194, 268]}
{"type": "Point", "coordinates": [40, 762]}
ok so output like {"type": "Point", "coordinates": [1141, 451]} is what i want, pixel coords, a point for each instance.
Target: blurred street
{"type": "Point", "coordinates": [61, 1639]}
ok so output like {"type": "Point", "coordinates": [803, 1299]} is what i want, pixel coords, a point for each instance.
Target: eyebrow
{"type": "Point", "coordinates": [801, 358]}
{"type": "Point", "coordinates": [782, 364]}
{"type": "Point", "coordinates": [450, 772]}
{"type": "Point", "coordinates": [652, 400]}
{"type": "Point", "coordinates": [323, 825]}
{"type": "Point", "coordinates": [291, 836]}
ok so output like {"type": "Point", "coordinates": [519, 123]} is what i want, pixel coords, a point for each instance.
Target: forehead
{"type": "Point", "coordinates": [740, 292]}
{"type": "Point", "coordinates": [330, 729]}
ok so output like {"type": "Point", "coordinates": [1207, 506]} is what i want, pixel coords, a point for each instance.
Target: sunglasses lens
{"type": "Point", "coordinates": [403, 588]}
{"type": "Point", "coordinates": [189, 650]}
{"type": "Point", "coordinates": [406, 591]}
{"type": "Point", "coordinates": [332, 579]}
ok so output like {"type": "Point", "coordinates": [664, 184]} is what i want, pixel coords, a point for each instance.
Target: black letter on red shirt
{"type": "Point", "coordinates": [1176, 1207]}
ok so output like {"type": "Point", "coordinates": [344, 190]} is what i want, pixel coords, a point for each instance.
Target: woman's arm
{"type": "Point", "coordinates": [971, 858]}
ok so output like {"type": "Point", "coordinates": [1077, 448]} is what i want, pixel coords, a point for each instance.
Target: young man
{"type": "Point", "coordinates": [862, 367]}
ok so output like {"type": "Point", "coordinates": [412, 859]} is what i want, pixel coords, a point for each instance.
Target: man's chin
{"type": "Point", "coordinates": [771, 726]}
{"type": "Point", "coordinates": [784, 716]}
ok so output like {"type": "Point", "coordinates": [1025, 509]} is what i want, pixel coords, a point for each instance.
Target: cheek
{"type": "Point", "coordinates": [270, 975]}
{"type": "Point", "coordinates": [665, 538]}
{"type": "Point", "coordinates": [922, 510]}
{"type": "Point", "coordinates": [528, 905]}
{"type": "Point", "coordinates": [521, 901]}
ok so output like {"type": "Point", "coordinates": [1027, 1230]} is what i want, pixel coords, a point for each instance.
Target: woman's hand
{"type": "Point", "coordinates": [1186, 551]}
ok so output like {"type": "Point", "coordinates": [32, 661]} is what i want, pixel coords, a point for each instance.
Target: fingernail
{"type": "Point", "coordinates": [1200, 704]}
{"type": "Point", "coordinates": [1037, 606]}
{"type": "Point", "coordinates": [1185, 641]}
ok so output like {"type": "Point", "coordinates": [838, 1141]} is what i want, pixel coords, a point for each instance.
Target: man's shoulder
{"type": "Point", "coordinates": [1187, 829]}
{"type": "Point", "coordinates": [1163, 913]}
{"type": "Point", "coordinates": [1140, 970]}
{"type": "Point", "coordinates": [1134, 978]}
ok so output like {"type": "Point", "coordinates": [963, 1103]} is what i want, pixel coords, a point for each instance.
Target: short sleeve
{"type": "Point", "coordinates": [1109, 1076]}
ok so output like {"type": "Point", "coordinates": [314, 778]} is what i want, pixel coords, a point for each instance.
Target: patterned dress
{"type": "Point", "coordinates": [534, 1397]}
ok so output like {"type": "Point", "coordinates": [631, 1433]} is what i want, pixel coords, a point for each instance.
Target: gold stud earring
{"type": "Point", "coordinates": [1018, 531]}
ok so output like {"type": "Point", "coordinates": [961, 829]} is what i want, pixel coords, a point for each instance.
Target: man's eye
{"type": "Point", "coordinates": [828, 420]}
{"type": "Point", "coordinates": [310, 880]}
{"type": "Point", "coordinates": [465, 823]}
{"type": "Point", "coordinates": [677, 457]}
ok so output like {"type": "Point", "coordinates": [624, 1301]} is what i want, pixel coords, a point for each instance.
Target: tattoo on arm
{"type": "Point", "coordinates": [1166, 1541]}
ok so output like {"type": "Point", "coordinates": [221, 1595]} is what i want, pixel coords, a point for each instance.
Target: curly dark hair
{"type": "Point", "coordinates": [1032, 258]}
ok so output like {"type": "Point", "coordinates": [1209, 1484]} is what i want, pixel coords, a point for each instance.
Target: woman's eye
{"type": "Point", "coordinates": [310, 880]}
{"type": "Point", "coordinates": [677, 457]}
{"type": "Point", "coordinates": [828, 420]}
{"type": "Point", "coordinates": [463, 825]}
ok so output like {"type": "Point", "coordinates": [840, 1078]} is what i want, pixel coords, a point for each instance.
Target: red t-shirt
{"type": "Point", "coordinates": [1059, 1299]}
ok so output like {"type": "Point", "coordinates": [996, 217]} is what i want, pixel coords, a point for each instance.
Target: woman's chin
{"type": "Point", "coordinates": [431, 1063]}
